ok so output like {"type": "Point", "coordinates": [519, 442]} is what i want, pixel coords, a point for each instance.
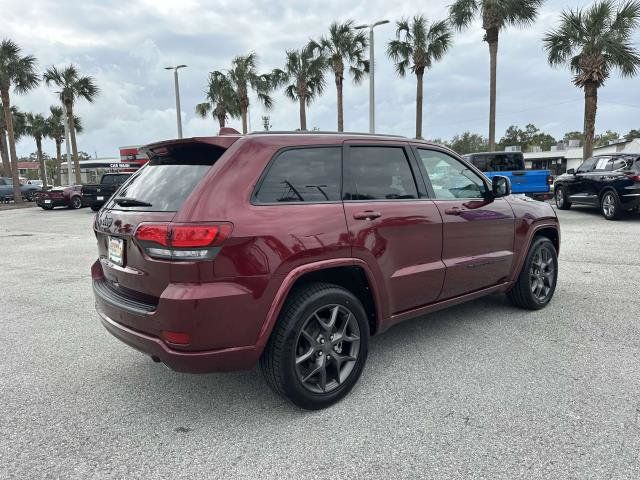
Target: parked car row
{"type": "Point", "coordinates": [78, 196]}
{"type": "Point", "coordinates": [28, 190]}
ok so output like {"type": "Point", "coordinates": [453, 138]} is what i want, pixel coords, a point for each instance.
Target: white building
{"type": "Point", "coordinates": [562, 157]}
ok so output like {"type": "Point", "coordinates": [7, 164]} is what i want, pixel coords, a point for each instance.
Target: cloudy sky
{"type": "Point", "coordinates": [125, 44]}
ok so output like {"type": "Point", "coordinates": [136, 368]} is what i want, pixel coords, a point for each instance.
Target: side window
{"type": "Point", "coordinates": [587, 165]}
{"type": "Point", "coordinates": [602, 163]}
{"type": "Point", "coordinates": [480, 162]}
{"type": "Point", "coordinates": [450, 178]}
{"type": "Point", "coordinates": [302, 175]}
{"type": "Point", "coordinates": [378, 173]}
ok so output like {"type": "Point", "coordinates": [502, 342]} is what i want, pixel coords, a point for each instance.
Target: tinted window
{"type": "Point", "coordinates": [378, 173]}
{"type": "Point", "coordinates": [165, 182]}
{"type": "Point", "coordinates": [481, 162]}
{"type": "Point", "coordinates": [302, 175]}
{"type": "Point", "coordinates": [602, 163]}
{"type": "Point", "coordinates": [451, 178]}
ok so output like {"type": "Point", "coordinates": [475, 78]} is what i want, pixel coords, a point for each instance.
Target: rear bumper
{"type": "Point", "coordinates": [223, 321]}
{"type": "Point", "coordinates": [55, 202]}
{"type": "Point", "coordinates": [229, 359]}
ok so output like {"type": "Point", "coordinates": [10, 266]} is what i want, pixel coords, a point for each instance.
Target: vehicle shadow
{"type": "Point", "coordinates": [193, 397]}
{"type": "Point", "coordinates": [593, 212]}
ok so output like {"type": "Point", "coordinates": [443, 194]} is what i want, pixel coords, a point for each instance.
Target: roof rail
{"type": "Point", "coordinates": [323, 132]}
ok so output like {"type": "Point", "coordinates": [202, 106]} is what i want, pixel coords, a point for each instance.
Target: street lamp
{"type": "Point", "coordinates": [372, 94]}
{"type": "Point", "coordinates": [175, 79]}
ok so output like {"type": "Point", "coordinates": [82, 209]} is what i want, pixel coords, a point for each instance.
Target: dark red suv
{"type": "Point", "coordinates": [291, 249]}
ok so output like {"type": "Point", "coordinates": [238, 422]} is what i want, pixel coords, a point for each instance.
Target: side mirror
{"type": "Point", "coordinates": [571, 171]}
{"type": "Point", "coordinates": [500, 186]}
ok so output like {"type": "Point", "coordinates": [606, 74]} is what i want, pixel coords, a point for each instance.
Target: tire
{"type": "Point", "coordinates": [299, 335]}
{"type": "Point", "coordinates": [29, 197]}
{"type": "Point", "coordinates": [47, 207]}
{"type": "Point", "coordinates": [610, 205]}
{"type": "Point", "coordinates": [76, 203]}
{"type": "Point", "coordinates": [524, 292]}
{"type": "Point", "coordinates": [95, 208]}
{"type": "Point", "coordinates": [562, 202]}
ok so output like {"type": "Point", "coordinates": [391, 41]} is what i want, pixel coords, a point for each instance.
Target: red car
{"type": "Point", "coordinates": [70, 197]}
{"type": "Point", "coordinates": [291, 250]}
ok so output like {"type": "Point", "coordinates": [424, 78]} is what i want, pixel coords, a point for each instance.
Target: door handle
{"type": "Point", "coordinates": [367, 215]}
{"type": "Point", "coordinates": [454, 211]}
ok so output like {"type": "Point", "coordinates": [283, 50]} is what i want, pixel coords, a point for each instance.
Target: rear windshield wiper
{"type": "Point", "coordinates": [131, 202]}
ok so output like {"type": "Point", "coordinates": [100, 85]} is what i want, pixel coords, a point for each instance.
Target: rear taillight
{"type": "Point", "coordinates": [178, 338]}
{"type": "Point", "coordinates": [187, 242]}
{"type": "Point", "coordinates": [635, 177]}
{"type": "Point", "coordinates": [550, 179]}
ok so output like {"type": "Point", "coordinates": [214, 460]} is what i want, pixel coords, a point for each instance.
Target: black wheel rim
{"type": "Point", "coordinates": [76, 202]}
{"type": "Point", "coordinates": [542, 274]}
{"type": "Point", "coordinates": [609, 205]}
{"type": "Point", "coordinates": [327, 348]}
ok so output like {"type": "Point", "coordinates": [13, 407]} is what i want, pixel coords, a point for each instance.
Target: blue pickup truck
{"type": "Point", "coordinates": [533, 183]}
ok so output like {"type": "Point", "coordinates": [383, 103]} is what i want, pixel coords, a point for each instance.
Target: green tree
{"type": "Point", "coordinates": [573, 136]}
{"type": "Point", "coordinates": [221, 102]}
{"type": "Point", "coordinates": [73, 87]}
{"type": "Point", "coordinates": [594, 41]}
{"type": "Point", "coordinates": [418, 44]}
{"type": "Point", "coordinates": [17, 72]}
{"type": "Point", "coordinates": [244, 78]}
{"type": "Point", "coordinates": [57, 133]}
{"type": "Point", "coordinates": [526, 138]}
{"type": "Point", "coordinates": [632, 134]}
{"type": "Point", "coordinates": [495, 16]}
{"type": "Point", "coordinates": [39, 128]}
{"type": "Point", "coordinates": [305, 70]}
{"type": "Point", "coordinates": [342, 48]}
{"type": "Point", "coordinates": [469, 142]}
{"type": "Point", "coordinates": [603, 139]}
{"type": "Point", "coordinates": [18, 131]}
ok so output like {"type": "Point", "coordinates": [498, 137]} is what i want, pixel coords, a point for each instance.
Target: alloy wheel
{"type": "Point", "coordinates": [327, 348]}
{"type": "Point", "coordinates": [609, 205]}
{"type": "Point", "coordinates": [542, 274]}
{"type": "Point", "coordinates": [559, 198]}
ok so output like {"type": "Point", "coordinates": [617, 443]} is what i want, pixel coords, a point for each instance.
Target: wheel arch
{"type": "Point", "coordinates": [352, 274]}
{"type": "Point", "coordinates": [548, 229]}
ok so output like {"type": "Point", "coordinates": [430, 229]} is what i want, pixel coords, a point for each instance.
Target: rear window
{"type": "Point", "coordinates": [114, 179]}
{"type": "Point", "coordinates": [498, 162]}
{"type": "Point", "coordinates": [166, 181]}
{"type": "Point", "coordinates": [302, 175]}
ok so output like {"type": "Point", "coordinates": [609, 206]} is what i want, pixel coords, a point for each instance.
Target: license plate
{"type": "Point", "coordinates": [116, 250]}
{"type": "Point", "coordinates": [47, 201]}
{"type": "Point", "coordinates": [99, 198]}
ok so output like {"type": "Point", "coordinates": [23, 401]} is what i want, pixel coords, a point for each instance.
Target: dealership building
{"type": "Point", "coordinates": [564, 156]}
{"type": "Point", "coordinates": [130, 159]}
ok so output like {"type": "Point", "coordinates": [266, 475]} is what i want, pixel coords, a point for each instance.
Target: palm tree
{"type": "Point", "coordinates": [495, 15]}
{"type": "Point", "coordinates": [38, 127]}
{"type": "Point", "coordinates": [305, 70]}
{"type": "Point", "coordinates": [595, 41]}
{"type": "Point", "coordinates": [417, 46]}
{"type": "Point", "coordinates": [18, 131]}
{"type": "Point", "coordinates": [72, 87]}
{"type": "Point", "coordinates": [57, 133]}
{"type": "Point", "coordinates": [344, 45]}
{"type": "Point", "coordinates": [244, 77]}
{"type": "Point", "coordinates": [20, 73]}
{"type": "Point", "coordinates": [221, 101]}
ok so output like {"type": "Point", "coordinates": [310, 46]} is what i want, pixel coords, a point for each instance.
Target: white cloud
{"type": "Point", "coordinates": [125, 45]}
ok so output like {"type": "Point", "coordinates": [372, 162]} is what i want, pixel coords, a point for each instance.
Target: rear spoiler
{"type": "Point", "coordinates": [222, 141]}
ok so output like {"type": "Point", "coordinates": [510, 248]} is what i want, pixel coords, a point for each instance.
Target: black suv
{"type": "Point", "coordinates": [611, 182]}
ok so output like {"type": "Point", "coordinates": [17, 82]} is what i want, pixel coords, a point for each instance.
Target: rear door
{"type": "Point", "coordinates": [153, 194]}
{"type": "Point", "coordinates": [579, 187]}
{"type": "Point", "coordinates": [392, 224]}
{"type": "Point", "coordinates": [478, 231]}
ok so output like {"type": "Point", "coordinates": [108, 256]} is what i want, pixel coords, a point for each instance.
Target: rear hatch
{"type": "Point", "coordinates": [153, 195]}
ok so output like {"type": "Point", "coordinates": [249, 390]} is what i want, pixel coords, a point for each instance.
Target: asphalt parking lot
{"type": "Point", "coordinates": [482, 390]}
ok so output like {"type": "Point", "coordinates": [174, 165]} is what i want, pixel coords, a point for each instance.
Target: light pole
{"type": "Point", "coordinates": [175, 80]}
{"type": "Point", "coordinates": [372, 88]}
